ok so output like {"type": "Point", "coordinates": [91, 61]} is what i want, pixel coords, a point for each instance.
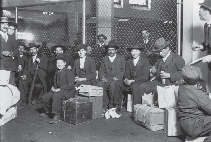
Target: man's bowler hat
{"type": "Point", "coordinates": [160, 44]}
{"type": "Point", "coordinates": [22, 44]}
{"type": "Point", "coordinates": [54, 48]}
{"type": "Point", "coordinates": [33, 45]}
{"type": "Point", "coordinates": [112, 43]}
{"type": "Point", "coordinates": [136, 46]}
{"type": "Point", "coordinates": [4, 20]}
{"type": "Point", "coordinates": [206, 4]}
{"type": "Point", "coordinates": [61, 57]}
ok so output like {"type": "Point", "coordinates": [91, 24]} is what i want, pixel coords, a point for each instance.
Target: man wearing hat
{"type": "Point", "coordinates": [84, 67]}
{"type": "Point", "coordinates": [98, 51]}
{"type": "Point", "coordinates": [8, 45]}
{"type": "Point", "coordinates": [194, 105]}
{"type": "Point", "coordinates": [21, 59]}
{"type": "Point", "coordinates": [167, 71]}
{"type": "Point", "coordinates": [62, 89]}
{"type": "Point", "coordinates": [111, 74]}
{"type": "Point", "coordinates": [35, 69]}
{"type": "Point", "coordinates": [205, 15]}
{"type": "Point", "coordinates": [57, 50]}
{"type": "Point", "coordinates": [136, 72]}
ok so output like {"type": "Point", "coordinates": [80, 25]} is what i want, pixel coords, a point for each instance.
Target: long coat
{"type": "Point", "coordinates": [142, 70]}
{"type": "Point", "coordinates": [173, 65]}
{"type": "Point", "coordinates": [7, 63]}
{"type": "Point", "coordinates": [194, 110]}
{"type": "Point", "coordinates": [89, 66]}
{"type": "Point", "coordinates": [42, 69]}
{"type": "Point", "coordinates": [119, 61]}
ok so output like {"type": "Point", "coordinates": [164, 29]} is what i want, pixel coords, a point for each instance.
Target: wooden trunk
{"type": "Point", "coordinates": [76, 110]}
{"type": "Point", "coordinates": [97, 108]}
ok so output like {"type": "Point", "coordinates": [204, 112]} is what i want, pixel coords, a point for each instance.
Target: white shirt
{"type": "Point", "coordinates": [34, 58]}
{"type": "Point", "coordinates": [146, 41]}
{"type": "Point", "coordinates": [4, 35]}
{"type": "Point", "coordinates": [135, 61]}
{"type": "Point", "coordinates": [101, 44]}
{"type": "Point", "coordinates": [112, 58]}
{"type": "Point", "coordinates": [82, 61]}
{"type": "Point", "coordinates": [164, 59]}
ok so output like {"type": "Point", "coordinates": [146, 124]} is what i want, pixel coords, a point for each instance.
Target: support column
{"type": "Point", "coordinates": [105, 17]}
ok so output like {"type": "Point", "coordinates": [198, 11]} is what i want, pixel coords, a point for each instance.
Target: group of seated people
{"type": "Point", "coordinates": [48, 80]}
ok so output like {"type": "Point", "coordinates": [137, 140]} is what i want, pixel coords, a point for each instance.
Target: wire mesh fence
{"type": "Point", "coordinates": [61, 23]}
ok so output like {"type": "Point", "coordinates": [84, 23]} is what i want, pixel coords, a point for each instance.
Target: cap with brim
{"type": "Point", "coordinates": [22, 44]}
{"type": "Point", "coordinates": [14, 25]}
{"type": "Point", "coordinates": [102, 35]}
{"type": "Point", "coordinates": [33, 45]}
{"type": "Point", "coordinates": [4, 20]}
{"type": "Point", "coordinates": [160, 44]}
{"type": "Point", "coordinates": [81, 46]}
{"type": "Point", "coordinates": [54, 48]}
{"type": "Point", "coordinates": [191, 73]}
{"type": "Point", "coordinates": [136, 46]}
{"type": "Point", "coordinates": [206, 4]}
{"type": "Point", "coordinates": [61, 57]}
{"type": "Point", "coordinates": [112, 44]}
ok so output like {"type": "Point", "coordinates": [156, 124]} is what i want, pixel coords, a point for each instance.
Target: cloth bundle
{"type": "Point", "coordinates": [111, 113]}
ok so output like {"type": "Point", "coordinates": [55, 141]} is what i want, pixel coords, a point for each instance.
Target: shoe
{"type": "Point", "coordinates": [118, 108]}
{"type": "Point", "coordinates": [33, 102]}
{"type": "Point", "coordinates": [43, 114]}
{"type": "Point", "coordinates": [55, 120]}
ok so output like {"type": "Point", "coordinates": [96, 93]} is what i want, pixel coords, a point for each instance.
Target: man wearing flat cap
{"type": "Point", "coordinates": [111, 74]}
{"type": "Point", "coordinates": [136, 72]}
{"type": "Point", "coordinates": [35, 69]}
{"type": "Point", "coordinates": [194, 105]}
{"type": "Point", "coordinates": [57, 50]}
{"type": "Point", "coordinates": [7, 47]}
{"type": "Point", "coordinates": [62, 89]}
{"type": "Point", "coordinates": [167, 71]}
{"type": "Point", "coordinates": [84, 67]}
{"type": "Point", "coordinates": [98, 51]}
{"type": "Point", "coordinates": [205, 15]}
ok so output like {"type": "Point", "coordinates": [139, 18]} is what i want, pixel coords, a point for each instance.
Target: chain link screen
{"type": "Point", "coordinates": [64, 25]}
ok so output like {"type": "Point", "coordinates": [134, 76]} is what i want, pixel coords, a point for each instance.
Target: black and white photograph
{"type": "Point", "coordinates": [105, 71]}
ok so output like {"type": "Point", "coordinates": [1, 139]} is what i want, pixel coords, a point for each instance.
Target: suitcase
{"type": "Point", "coordinates": [150, 117]}
{"type": "Point", "coordinates": [171, 123]}
{"type": "Point", "coordinates": [76, 110]}
{"type": "Point", "coordinates": [97, 107]}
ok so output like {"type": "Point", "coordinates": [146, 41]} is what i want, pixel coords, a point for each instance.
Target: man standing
{"type": "Point", "coordinates": [205, 15]}
{"type": "Point", "coordinates": [111, 74]}
{"type": "Point", "coordinates": [148, 46]}
{"type": "Point", "coordinates": [20, 64]}
{"type": "Point", "coordinates": [167, 70]}
{"type": "Point", "coordinates": [136, 72]}
{"type": "Point", "coordinates": [98, 51]}
{"type": "Point", "coordinates": [7, 47]}
{"type": "Point", "coordinates": [35, 70]}
{"type": "Point", "coordinates": [57, 50]}
{"type": "Point", "coordinates": [12, 27]}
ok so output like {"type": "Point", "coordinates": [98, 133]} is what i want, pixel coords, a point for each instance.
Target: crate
{"type": "Point", "coordinates": [89, 90]}
{"type": "Point", "coordinates": [76, 111]}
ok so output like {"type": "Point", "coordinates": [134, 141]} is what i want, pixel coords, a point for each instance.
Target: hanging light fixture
{"type": "Point", "coordinates": [48, 12]}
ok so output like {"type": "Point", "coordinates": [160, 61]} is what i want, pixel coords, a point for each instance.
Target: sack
{"type": "Point", "coordinates": [148, 99]}
{"type": "Point", "coordinates": [167, 96]}
{"type": "Point", "coordinates": [89, 90]}
{"type": "Point", "coordinates": [4, 77]}
{"type": "Point", "coordinates": [171, 123]}
{"type": "Point", "coordinates": [151, 118]}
